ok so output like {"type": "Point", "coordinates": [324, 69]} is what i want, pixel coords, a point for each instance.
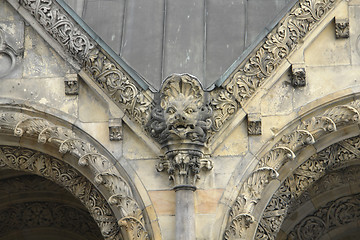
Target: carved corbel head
{"type": "Point", "coordinates": [180, 123]}
{"type": "Point", "coordinates": [182, 117]}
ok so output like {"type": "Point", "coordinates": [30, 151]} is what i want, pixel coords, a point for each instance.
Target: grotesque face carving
{"type": "Point", "coordinates": [182, 114]}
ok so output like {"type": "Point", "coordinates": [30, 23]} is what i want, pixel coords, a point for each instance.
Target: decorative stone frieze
{"type": "Point", "coordinates": [265, 59]}
{"type": "Point", "coordinates": [180, 123]}
{"type": "Point", "coordinates": [71, 84]}
{"type": "Point", "coordinates": [115, 129]}
{"type": "Point", "coordinates": [61, 27]}
{"type": "Point", "coordinates": [342, 29]}
{"type": "Point", "coordinates": [254, 124]}
{"type": "Point", "coordinates": [9, 52]}
{"type": "Point", "coordinates": [118, 85]}
{"type": "Point", "coordinates": [298, 76]}
{"type": "Point", "coordinates": [225, 99]}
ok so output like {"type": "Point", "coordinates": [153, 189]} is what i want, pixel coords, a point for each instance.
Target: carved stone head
{"type": "Point", "coordinates": [182, 114]}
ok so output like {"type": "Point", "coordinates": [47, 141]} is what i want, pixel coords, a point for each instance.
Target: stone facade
{"type": "Point", "coordinates": [260, 156]}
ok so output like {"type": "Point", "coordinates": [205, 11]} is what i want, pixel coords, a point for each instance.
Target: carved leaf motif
{"type": "Point", "coordinates": [118, 85]}
{"type": "Point", "coordinates": [61, 27]}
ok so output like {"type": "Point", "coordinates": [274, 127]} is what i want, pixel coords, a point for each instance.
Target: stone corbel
{"type": "Point", "coordinates": [254, 124]}
{"type": "Point", "coordinates": [342, 28]}
{"type": "Point", "coordinates": [115, 129]}
{"type": "Point", "coordinates": [298, 75]}
{"type": "Point", "coordinates": [71, 84]}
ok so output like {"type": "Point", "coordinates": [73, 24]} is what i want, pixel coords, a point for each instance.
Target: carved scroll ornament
{"type": "Point", "coordinates": [284, 150]}
{"type": "Point", "coordinates": [19, 124]}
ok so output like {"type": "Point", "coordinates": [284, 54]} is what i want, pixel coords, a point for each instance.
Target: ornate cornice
{"type": "Point", "coordinates": [90, 57]}
{"type": "Point", "coordinates": [104, 171]}
{"type": "Point", "coordinates": [284, 150]}
{"type": "Point", "coordinates": [225, 100]}
{"type": "Point", "coordinates": [263, 62]}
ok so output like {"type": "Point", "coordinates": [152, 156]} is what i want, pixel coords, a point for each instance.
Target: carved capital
{"type": "Point", "coordinates": [184, 166]}
{"type": "Point", "coordinates": [298, 76]}
{"type": "Point", "coordinates": [342, 28]}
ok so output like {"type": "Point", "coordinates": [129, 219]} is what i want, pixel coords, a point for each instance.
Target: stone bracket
{"type": "Point", "coordinates": [71, 84]}
{"type": "Point", "coordinates": [298, 75]}
{"type": "Point", "coordinates": [342, 29]}
{"type": "Point", "coordinates": [254, 124]}
{"type": "Point", "coordinates": [115, 129]}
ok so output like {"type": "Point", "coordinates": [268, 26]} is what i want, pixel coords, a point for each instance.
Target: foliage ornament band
{"type": "Point", "coordinates": [224, 101]}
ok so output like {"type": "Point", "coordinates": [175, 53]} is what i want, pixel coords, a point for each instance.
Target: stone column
{"type": "Point", "coordinates": [185, 213]}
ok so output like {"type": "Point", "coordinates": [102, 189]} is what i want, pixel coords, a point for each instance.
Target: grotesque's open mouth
{"type": "Point", "coordinates": [181, 127]}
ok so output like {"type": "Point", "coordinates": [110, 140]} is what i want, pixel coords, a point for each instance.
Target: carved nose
{"type": "Point", "coordinates": [179, 117]}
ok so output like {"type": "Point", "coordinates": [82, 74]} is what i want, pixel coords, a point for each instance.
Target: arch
{"type": "Point", "coordinates": [302, 138]}
{"type": "Point", "coordinates": [33, 207]}
{"type": "Point", "coordinates": [23, 159]}
{"type": "Point", "coordinates": [62, 141]}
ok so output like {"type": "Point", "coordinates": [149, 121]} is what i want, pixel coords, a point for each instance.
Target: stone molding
{"type": "Point", "coordinates": [67, 142]}
{"type": "Point", "coordinates": [225, 100]}
{"type": "Point", "coordinates": [306, 133]}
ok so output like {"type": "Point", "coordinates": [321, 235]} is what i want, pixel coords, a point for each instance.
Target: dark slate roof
{"type": "Point", "coordinates": [201, 37]}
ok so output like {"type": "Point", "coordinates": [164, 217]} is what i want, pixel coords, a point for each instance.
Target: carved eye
{"type": "Point", "coordinates": [189, 110]}
{"type": "Point", "coordinates": [170, 110]}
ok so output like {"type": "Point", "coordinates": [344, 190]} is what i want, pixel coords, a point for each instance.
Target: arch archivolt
{"type": "Point", "coordinates": [119, 215]}
{"type": "Point", "coordinates": [290, 166]}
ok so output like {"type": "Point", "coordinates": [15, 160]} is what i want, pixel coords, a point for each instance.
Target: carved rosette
{"type": "Point", "coordinates": [180, 123]}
